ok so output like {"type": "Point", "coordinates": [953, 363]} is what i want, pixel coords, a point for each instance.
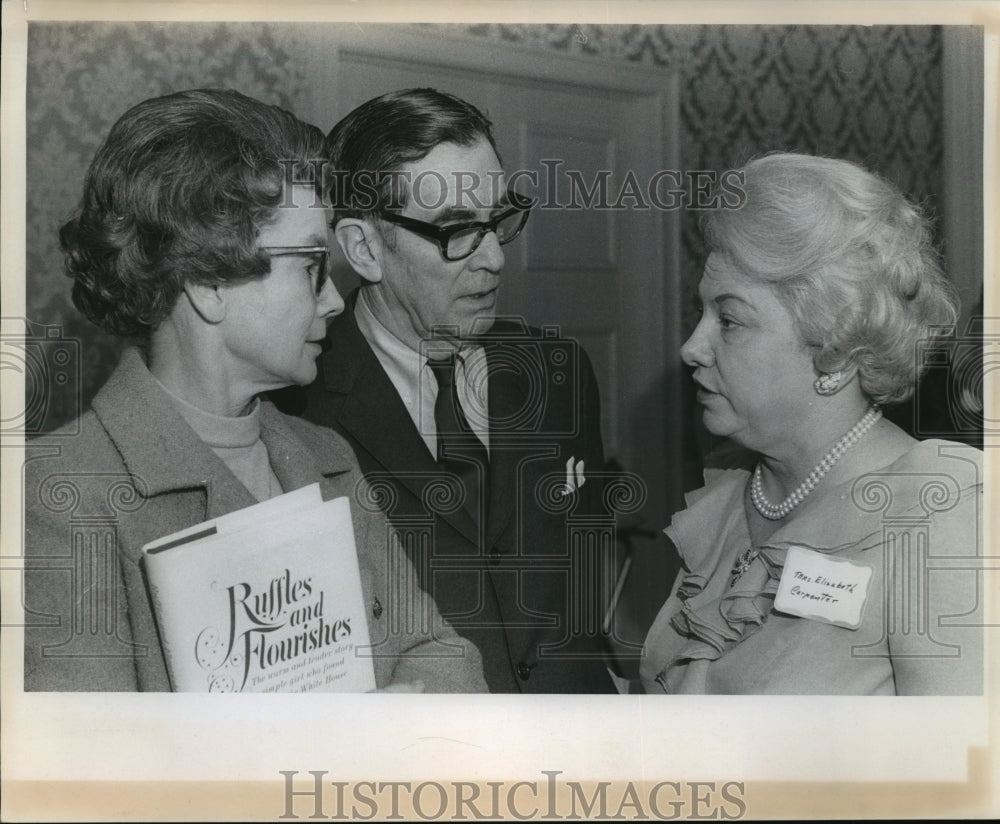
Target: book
{"type": "Point", "coordinates": [265, 599]}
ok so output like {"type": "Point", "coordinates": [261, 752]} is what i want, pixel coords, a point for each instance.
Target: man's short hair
{"type": "Point", "coordinates": [383, 134]}
{"type": "Point", "coordinates": [178, 191]}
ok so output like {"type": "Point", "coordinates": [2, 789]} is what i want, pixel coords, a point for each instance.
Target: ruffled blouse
{"type": "Point", "coordinates": [713, 636]}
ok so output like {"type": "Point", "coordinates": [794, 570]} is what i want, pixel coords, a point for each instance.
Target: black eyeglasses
{"type": "Point", "coordinates": [317, 270]}
{"type": "Point", "coordinates": [459, 240]}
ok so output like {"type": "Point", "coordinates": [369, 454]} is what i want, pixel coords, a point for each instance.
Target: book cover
{"type": "Point", "coordinates": [266, 599]}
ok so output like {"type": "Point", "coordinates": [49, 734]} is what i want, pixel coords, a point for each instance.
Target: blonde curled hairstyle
{"type": "Point", "coordinates": [849, 257]}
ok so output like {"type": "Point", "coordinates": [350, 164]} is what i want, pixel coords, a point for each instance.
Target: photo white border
{"type": "Point", "coordinates": [174, 757]}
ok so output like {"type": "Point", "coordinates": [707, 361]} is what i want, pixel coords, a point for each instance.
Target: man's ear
{"type": "Point", "coordinates": [208, 300]}
{"type": "Point", "coordinates": [361, 247]}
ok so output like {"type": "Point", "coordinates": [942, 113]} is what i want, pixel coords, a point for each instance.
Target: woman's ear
{"type": "Point", "coordinates": [358, 241]}
{"type": "Point", "coordinates": [208, 300]}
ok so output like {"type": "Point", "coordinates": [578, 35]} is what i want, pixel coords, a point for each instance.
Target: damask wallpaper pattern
{"type": "Point", "coordinates": [870, 94]}
{"type": "Point", "coordinates": [81, 78]}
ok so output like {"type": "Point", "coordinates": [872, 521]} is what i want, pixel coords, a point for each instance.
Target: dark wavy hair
{"type": "Point", "coordinates": [179, 191]}
{"type": "Point", "coordinates": [386, 132]}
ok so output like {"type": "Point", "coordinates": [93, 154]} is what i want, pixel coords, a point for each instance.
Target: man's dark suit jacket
{"type": "Point", "coordinates": [508, 589]}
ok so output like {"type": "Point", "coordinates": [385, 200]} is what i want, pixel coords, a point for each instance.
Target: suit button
{"type": "Point", "coordinates": [523, 671]}
{"type": "Point", "coordinates": [495, 557]}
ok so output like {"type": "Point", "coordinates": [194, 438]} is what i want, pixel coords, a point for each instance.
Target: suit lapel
{"type": "Point", "coordinates": [366, 406]}
{"type": "Point", "coordinates": [509, 391]}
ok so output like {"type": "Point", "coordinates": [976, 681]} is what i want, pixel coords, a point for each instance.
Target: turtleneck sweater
{"type": "Point", "coordinates": [236, 440]}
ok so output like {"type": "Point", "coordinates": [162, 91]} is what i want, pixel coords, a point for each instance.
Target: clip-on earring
{"type": "Point", "coordinates": [828, 382]}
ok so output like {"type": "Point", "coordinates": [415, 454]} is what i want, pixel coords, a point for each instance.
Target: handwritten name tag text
{"type": "Point", "coordinates": [823, 588]}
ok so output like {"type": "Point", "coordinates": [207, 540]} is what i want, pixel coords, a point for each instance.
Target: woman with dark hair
{"type": "Point", "coordinates": [831, 563]}
{"type": "Point", "coordinates": [196, 239]}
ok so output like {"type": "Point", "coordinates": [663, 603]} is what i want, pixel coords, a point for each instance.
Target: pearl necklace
{"type": "Point", "coordinates": [776, 512]}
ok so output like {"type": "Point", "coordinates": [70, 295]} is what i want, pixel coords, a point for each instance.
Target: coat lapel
{"type": "Point", "coordinates": [294, 463]}
{"type": "Point", "coordinates": [164, 454]}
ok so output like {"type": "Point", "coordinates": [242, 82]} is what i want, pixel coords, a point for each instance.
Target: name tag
{"type": "Point", "coordinates": [823, 588]}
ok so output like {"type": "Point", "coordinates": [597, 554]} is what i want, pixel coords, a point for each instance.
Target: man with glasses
{"type": "Point", "coordinates": [460, 419]}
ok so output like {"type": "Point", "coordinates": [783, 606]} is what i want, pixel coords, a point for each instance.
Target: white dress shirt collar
{"type": "Point", "coordinates": [415, 383]}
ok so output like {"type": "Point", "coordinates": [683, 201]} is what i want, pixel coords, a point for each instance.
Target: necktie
{"type": "Point", "coordinates": [459, 452]}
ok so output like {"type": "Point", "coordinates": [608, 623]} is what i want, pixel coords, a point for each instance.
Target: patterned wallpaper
{"type": "Point", "coordinates": [871, 94]}
{"type": "Point", "coordinates": [81, 78]}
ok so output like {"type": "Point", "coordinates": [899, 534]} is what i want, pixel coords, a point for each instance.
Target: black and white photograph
{"type": "Point", "coordinates": [527, 419]}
